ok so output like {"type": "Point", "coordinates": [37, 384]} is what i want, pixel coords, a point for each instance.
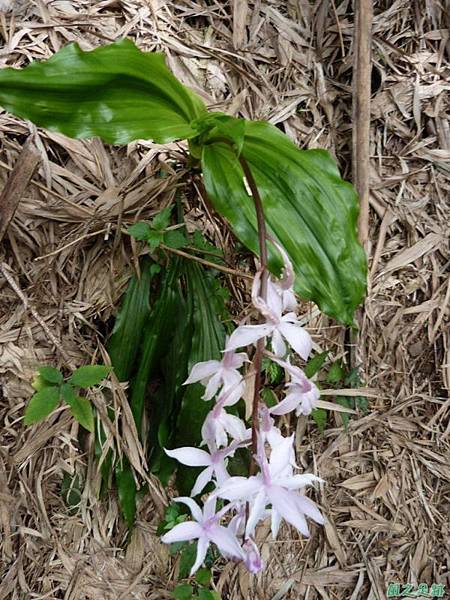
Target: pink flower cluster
{"type": "Point", "coordinates": [275, 491]}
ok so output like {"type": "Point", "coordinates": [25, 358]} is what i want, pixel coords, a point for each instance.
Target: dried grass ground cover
{"type": "Point", "coordinates": [388, 476]}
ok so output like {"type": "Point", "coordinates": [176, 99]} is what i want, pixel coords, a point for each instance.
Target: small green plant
{"type": "Point", "coordinates": [51, 387]}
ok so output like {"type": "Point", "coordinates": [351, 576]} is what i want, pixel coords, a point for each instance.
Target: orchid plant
{"type": "Point", "coordinates": [290, 207]}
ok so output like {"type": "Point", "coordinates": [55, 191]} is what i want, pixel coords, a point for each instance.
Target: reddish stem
{"type": "Point", "coordinates": [257, 362]}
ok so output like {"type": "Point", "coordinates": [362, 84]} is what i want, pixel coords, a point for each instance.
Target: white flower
{"type": "Point", "coordinates": [214, 463]}
{"type": "Point", "coordinates": [275, 485]}
{"type": "Point", "coordinates": [214, 373]}
{"type": "Point", "coordinates": [302, 394]}
{"type": "Point", "coordinates": [205, 529]}
{"type": "Point", "coordinates": [279, 327]}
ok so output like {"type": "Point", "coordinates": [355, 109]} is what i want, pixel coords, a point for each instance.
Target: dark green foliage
{"type": "Point", "coordinates": [308, 208]}
{"type": "Point", "coordinates": [115, 92]}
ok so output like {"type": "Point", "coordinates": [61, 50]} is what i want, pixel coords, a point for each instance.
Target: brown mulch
{"type": "Point", "coordinates": [65, 263]}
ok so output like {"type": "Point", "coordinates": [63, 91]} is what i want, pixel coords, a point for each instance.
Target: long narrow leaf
{"type": "Point", "coordinates": [123, 345]}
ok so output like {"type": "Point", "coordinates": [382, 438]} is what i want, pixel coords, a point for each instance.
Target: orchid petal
{"type": "Point", "coordinates": [278, 345]}
{"type": "Point", "coordinates": [256, 512]}
{"type": "Point", "coordinates": [274, 298]}
{"type": "Point", "coordinates": [213, 385]}
{"type": "Point", "coordinates": [289, 300]}
{"type": "Point", "coordinates": [183, 532]}
{"type": "Point", "coordinates": [226, 541]}
{"type": "Point", "coordinates": [192, 457]}
{"type": "Point", "coordinates": [240, 488]}
{"type": "Point", "coordinates": [238, 359]}
{"type": "Point", "coordinates": [234, 394]}
{"type": "Point", "coordinates": [285, 503]}
{"type": "Point", "coordinates": [287, 405]}
{"type": "Point", "coordinates": [298, 338]}
{"type": "Point", "coordinates": [193, 507]}
{"type": "Point", "coordinates": [308, 507]}
{"type": "Point", "coordinates": [209, 509]}
{"type": "Point", "coordinates": [295, 482]}
{"type": "Point", "coordinates": [248, 334]}
{"type": "Point", "coordinates": [252, 559]}
{"type": "Point", "coordinates": [202, 370]}
{"type": "Point", "coordinates": [281, 457]}
{"type": "Point", "coordinates": [221, 473]}
{"type": "Point", "coordinates": [204, 477]}
{"type": "Point", "coordinates": [230, 378]}
{"type": "Point", "coordinates": [275, 523]}
{"type": "Point", "coordinates": [202, 549]}
{"type": "Point", "coordinates": [234, 426]}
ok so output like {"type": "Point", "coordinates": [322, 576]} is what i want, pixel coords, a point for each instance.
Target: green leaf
{"type": "Point", "coordinates": [269, 397]}
{"type": "Point", "coordinates": [314, 365]}
{"type": "Point", "coordinates": [183, 591]}
{"type": "Point", "coordinates": [175, 239]}
{"type": "Point", "coordinates": [89, 375]}
{"type": "Point", "coordinates": [208, 595]}
{"type": "Point", "coordinates": [208, 339]}
{"type": "Point", "coordinates": [139, 231]}
{"type": "Point", "coordinates": [308, 208]}
{"type": "Point", "coordinates": [274, 372]}
{"type": "Point", "coordinates": [115, 92]}
{"type": "Point", "coordinates": [320, 418]}
{"type": "Point", "coordinates": [336, 373]}
{"type": "Point", "coordinates": [187, 560]}
{"type": "Point", "coordinates": [203, 576]}
{"type": "Point", "coordinates": [348, 403]}
{"type": "Point", "coordinates": [126, 488]}
{"type": "Point", "coordinates": [42, 404]}
{"type": "Point", "coordinates": [123, 345]}
{"type": "Point", "coordinates": [51, 375]}
{"type": "Point", "coordinates": [162, 219]}
{"type": "Point", "coordinates": [154, 239]}
{"type": "Point", "coordinates": [80, 408]}
{"type": "Point", "coordinates": [217, 126]}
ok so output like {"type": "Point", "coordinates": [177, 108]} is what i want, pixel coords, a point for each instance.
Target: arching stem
{"type": "Point", "coordinates": [257, 361]}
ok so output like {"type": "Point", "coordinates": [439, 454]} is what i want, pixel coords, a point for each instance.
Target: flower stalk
{"type": "Point", "coordinates": [257, 360]}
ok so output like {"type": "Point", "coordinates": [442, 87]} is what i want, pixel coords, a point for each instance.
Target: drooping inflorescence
{"type": "Point", "coordinates": [274, 490]}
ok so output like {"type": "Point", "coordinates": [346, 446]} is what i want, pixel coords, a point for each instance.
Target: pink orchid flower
{"type": "Point", "coordinates": [252, 560]}
{"type": "Point", "coordinates": [280, 328]}
{"type": "Point", "coordinates": [206, 529]}
{"type": "Point", "coordinates": [302, 394]}
{"type": "Point", "coordinates": [214, 374]}
{"type": "Point", "coordinates": [219, 424]}
{"type": "Point", "coordinates": [214, 462]}
{"type": "Point", "coordinates": [275, 485]}
{"type": "Point", "coordinates": [285, 285]}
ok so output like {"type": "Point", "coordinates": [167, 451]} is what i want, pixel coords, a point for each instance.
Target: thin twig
{"type": "Point", "coordinates": [207, 263]}
{"type": "Point", "coordinates": [361, 111]}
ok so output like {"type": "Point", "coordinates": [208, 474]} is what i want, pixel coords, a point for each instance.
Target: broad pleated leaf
{"type": "Point", "coordinates": [115, 92]}
{"type": "Point", "coordinates": [308, 207]}
{"type": "Point", "coordinates": [208, 340]}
